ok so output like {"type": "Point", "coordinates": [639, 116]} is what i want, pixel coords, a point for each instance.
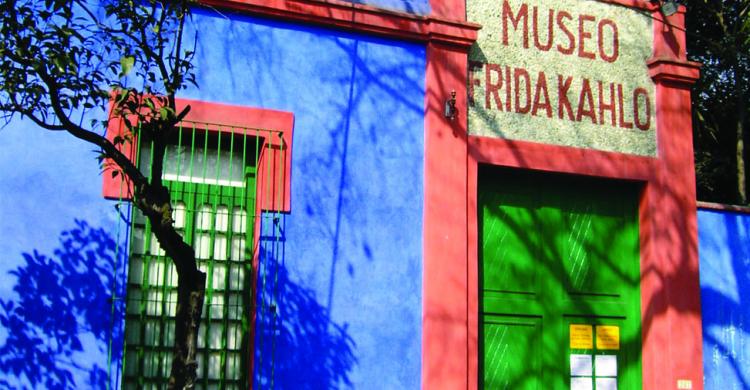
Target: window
{"type": "Point", "coordinates": [221, 178]}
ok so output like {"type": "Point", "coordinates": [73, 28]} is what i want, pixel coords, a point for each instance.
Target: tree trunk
{"type": "Point", "coordinates": [191, 291]}
{"type": "Point", "coordinates": [741, 115]}
{"type": "Point", "coordinates": [155, 202]}
{"type": "Point", "coordinates": [741, 190]}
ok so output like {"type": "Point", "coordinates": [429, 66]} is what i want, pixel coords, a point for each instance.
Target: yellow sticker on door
{"type": "Point", "coordinates": [607, 337]}
{"type": "Point", "coordinates": [581, 336]}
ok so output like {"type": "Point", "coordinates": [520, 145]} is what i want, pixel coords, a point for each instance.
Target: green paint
{"type": "Point", "coordinates": [555, 250]}
{"type": "Point", "coordinates": [214, 207]}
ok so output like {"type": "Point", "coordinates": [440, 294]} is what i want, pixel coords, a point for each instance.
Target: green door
{"type": "Point", "coordinates": [559, 282]}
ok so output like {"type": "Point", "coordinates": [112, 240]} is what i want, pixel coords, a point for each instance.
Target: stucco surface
{"type": "Point", "coordinates": [629, 70]}
{"type": "Point", "coordinates": [346, 276]}
{"type": "Point", "coordinates": [724, 249]}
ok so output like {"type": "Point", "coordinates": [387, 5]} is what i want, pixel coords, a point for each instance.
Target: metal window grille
{"type": "Point", "coordinates": [213, 174]}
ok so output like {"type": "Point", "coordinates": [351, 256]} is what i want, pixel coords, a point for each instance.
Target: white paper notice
{"type": "Point", "coordinates": [580, 365]}
{"type": "Point", "coordinates": [606, 383]}
{"type": "Point", "coordinates": [581, 384]}
{"type": "Point", "coordinates": [606, 365]}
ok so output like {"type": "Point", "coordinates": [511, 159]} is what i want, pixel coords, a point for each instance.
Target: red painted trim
{"type": "Point", "coordinates": [724, 207]}
{"type": "Point", "coordinates": [448, 8]}
{"type": "Point", "coordinates": [674, 71]}
{"type": "Point", "coordinates": [117, 187]}
{"type": "Point", "coordinates": [227, 116]}
{"type": "Point", "coordinates": [445, 331]}
{"type": "Point", "coordinates": [361, 18]}
{"type": "Point", "coordinates": [670, 290]}
{"type": "Point", "coordinates": [648, 299]}
{"type": "Point", "coordinates": [669, 35]}
{"type": "Point", "coordinates": [472, 224]}
{"type": "Point", "coordinates": [552, 158]}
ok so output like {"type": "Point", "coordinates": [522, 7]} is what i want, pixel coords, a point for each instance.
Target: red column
{"type": "Point", "coordinates": [672, 335]}
{"type": "Point", "coordinates": [445, 332]}
{"type": "Point", "coordinates": [445, 336]}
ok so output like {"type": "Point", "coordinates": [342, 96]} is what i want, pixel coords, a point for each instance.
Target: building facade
{"type": "Point", "coordinates": [385, 194]}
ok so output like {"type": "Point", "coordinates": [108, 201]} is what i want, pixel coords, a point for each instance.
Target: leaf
{"type": "Point", "coordinates": [164, 112]}
{"type": "Point", "coordinates": [59, 63]}
{"type": "Point", "coordinates": [121, 95]}
{"type": "Point", "coordinates": [126, 65]}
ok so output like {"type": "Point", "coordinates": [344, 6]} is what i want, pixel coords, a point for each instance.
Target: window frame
{"type": "Point", "coordinates": [275, 153]}
{"type": "Point", "coordinates": [233, 119]}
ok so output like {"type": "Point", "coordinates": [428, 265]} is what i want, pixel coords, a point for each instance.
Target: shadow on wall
{"type": "Point", "coordinates": [358, 104]}
{"type": "Point", "coordinates": [725, 296]}
{"type": "Point", "coordinates": [60, 325]}
{"type": "Point", "coordinates": [297, 346]}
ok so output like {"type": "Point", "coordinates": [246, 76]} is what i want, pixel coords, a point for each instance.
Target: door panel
{"type": "Point", "coordinates": [510, 248]}
{"type": "Point", "coordinates": [561, 250]}
{"type": "Point", "coordinates": [507, 343]}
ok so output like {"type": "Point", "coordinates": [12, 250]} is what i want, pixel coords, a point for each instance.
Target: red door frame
{"type": "Point", "coordinates": [670, 294]}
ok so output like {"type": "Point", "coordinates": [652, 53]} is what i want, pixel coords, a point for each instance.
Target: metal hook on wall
{"type": "Point", "coordinates": [450, 106]}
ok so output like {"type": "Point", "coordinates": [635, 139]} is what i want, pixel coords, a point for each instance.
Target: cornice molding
{"type": "Point", "coordinates": [359, 18]}
{"type": "Point", "coordinates": [684, 73]}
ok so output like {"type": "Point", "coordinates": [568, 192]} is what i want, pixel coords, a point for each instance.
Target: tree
{"type": "Point", "coordinates": [719, 37]}
{"type": "Point", "coordinates": [62, 61]}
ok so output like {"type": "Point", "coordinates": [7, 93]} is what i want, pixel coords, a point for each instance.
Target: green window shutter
{"type": "Point", "coordinates": [211, 176]}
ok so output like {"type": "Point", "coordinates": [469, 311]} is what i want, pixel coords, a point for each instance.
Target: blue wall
{"type": "Point", "coordinates": [724, 250]}
{"type": "Point", "coordinates": [58, 258]}
{"type": "Point", "coordinates": [346, 277]}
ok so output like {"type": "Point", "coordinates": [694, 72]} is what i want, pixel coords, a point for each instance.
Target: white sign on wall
{"type": "Point", "coordinates": [563, 72]}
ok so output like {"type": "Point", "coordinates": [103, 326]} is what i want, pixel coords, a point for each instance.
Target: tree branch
{"type": "Point", "coordinates": [29, 114]}
{"type": "Point", "coordinates": [143, 44]}
{"type": "Point", "coordinates": [107, 147]}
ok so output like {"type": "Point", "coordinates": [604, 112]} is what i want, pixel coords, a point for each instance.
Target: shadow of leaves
{"type": "Point", "coordinates": [63, 302]}
{"type": "Point", "coordinates": [298, 345]}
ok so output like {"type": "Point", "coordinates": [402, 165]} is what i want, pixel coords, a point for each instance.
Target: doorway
{"type": "Point", "coordinates": [559, 279]}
